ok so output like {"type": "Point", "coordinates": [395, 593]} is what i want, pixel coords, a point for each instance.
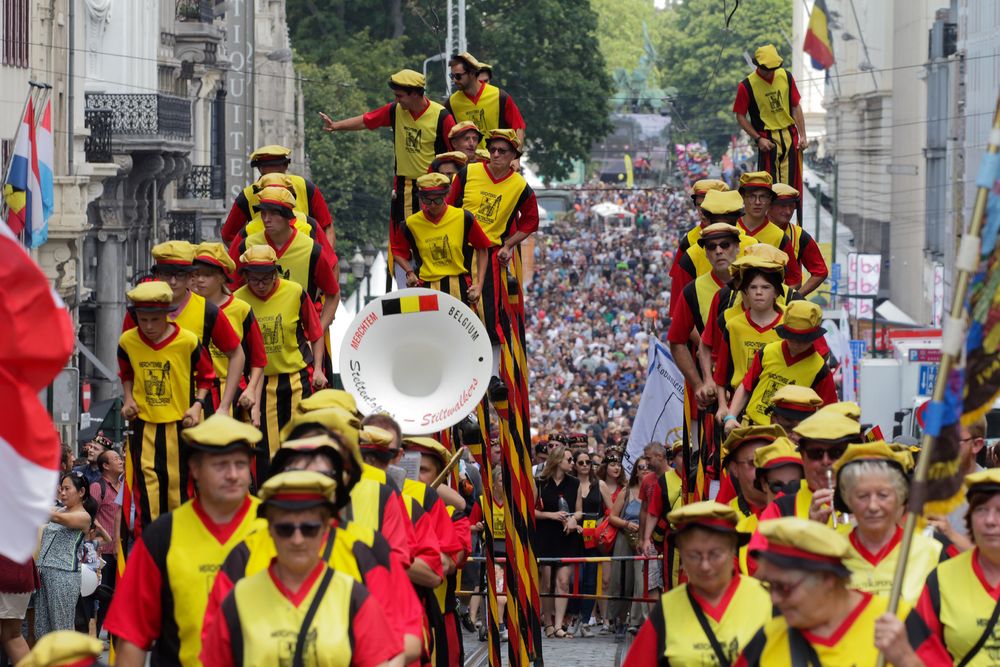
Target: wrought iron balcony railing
{"type": "Point", "coordinates": [195, 10]}
{"type": "Point", "coordinates": [146, 114]}
{"type": "Point", "coordinates": [97, 147]}
{"type": "Point", "coordinates": [183, 226]}
{"type": "Point", "coordinates": [203, 182]}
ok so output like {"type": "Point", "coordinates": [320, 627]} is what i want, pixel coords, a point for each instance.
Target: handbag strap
{"type": "Point", "coordinates": [300, 643]}
{"type": "Point", "coordinates": [987, 633]}
{"type": "Point", "coordinates": [801, 651]}
{"type": "Point", "coordinates": [712, 639]}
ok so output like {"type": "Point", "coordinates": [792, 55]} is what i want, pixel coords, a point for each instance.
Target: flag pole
{"type": "Point", "coordinates": [951, 349]}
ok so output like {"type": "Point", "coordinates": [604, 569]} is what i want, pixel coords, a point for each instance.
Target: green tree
{"type": "Point", "coordinates": [703, 61]}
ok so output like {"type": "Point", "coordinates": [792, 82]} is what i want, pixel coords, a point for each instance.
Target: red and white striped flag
{"type": "Point", "coordinates": [37, 341]}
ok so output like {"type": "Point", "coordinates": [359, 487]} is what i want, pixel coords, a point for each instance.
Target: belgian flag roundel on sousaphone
{"type": "Point", "coordinates": [419, 355]}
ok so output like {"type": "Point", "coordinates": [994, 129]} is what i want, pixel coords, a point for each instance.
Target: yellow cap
{"type": "Point", "coordinates": [826, 426]}
{"type": "Point", "coordinates": [510, 136]}
{"type": "Point", "coordinates": [756, 179]}
{"type": "Point", "coordinates": [728, 204]}
{"type": "Point", "coordinates": [801, 322]}
{"type": "Point", "coordinates": [796, 402]}
{"type": "Point", "coordinates": [452, 156]}
{"type": "Point", "coordinates": [483, 154]}
{"type": "Point", "coordinates": [329, 398]}
{"type": "Point", "coordinates": [742, 264]}
{"type": "Point", "coordinates": [276, 197]}
{"type": "Point", "coordinates": [704, 185]}
{"type": "Point", "coordinates": [676, 446]}
{"type": "Point", "coordinates": [869, 451]}
{"type": "Point", "coordinates": [433, 183]}
{"type": "Point", "coordinates": [269, 153]}
{"type": "Point", "coordinates": [274, 179]}
{"type": "Point", "coordinates": [766, 251]}
{"type": "Point", "coordinates": [486, 67]}
{"type": "Point", "coordinates": [801, 544]}
{"type": "Point", "coordinates": [258, 258]}
{"type": "Point", "coordinates": [742, 435]}
{"type": "Point", "coordinates": [152, 295]}
{"type": "Point", "coordinates": [173, 253]}
{"type": "Point", "coordinates": [336, 420]}
{"type": "Point", "coordinates": [298, 490]}
{"type": "Point", "coordinates": [718, 230]}
{"type": "Point", "coordinates": [847, 408]}
{"type": "Point", "coordinates": [784, 191]}
{"type": "Point", "coordinates": [705, 514]}
{"type": "Point", "coordinates": [407, 78]}
{"type": "Point", "coordinates": [216, 255]}
{"type": "Point", "coordinates": [767, 56]}
{"type": "Point", "coordinates": [471, 60]}
{"type": "Point", "coordinates": [63, 648]}
{"type": "Point", "coordinates": [780, 452]}
{"type": "Point", "coordinates": [221, 433]}
{"type": "Point", "coordinates": [341, 449]}
{"type": "Point", "coordinates": [430, 446]}
{"type": "Point", "coordinates": [984, 481]}
{"type": "Point", "coordinates": [463, 127]}
{"type": "Point", "coordinates": [374, 437]}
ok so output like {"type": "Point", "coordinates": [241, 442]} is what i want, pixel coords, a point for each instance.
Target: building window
{"type": "Point", "coordinates": [15, 33]}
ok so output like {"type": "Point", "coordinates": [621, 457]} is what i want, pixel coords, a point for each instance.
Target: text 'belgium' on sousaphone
{"type": "Point", "coordinates": [419, 355]}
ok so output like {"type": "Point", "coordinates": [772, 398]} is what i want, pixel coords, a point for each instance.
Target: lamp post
{"type": "Point", "coordinates": [358, 271]}
{"type": "Point", "coordinates": [369, 254]}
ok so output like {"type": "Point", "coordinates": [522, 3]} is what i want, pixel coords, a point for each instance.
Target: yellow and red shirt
{"type": "Point", "coordinates": [501, 205]}
{"type": "Point", "coordinates": [439, 247]}
{"type": "Point", "coordinates": [774, 366]}
{"type": "Point", "coordinates": [288, 324]}
{"type": "Point", "coordinates": [490, 109]}
{"type": "Point", "coordinates": [416, 138]}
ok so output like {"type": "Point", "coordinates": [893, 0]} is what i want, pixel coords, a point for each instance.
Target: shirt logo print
{"type": "Point", "coordinates": [156, 383]}
{"type": "Point", "coordinates": [440, 252]}
{"type": "Point", "coordinates": [478, 116]}
{"type": "Point", "coordinates": [774, 100]}
{"type": "Point", "coordinates": [273, 334]}
{"type": "Point", "coordinates": [489, 206]}
{"type": "Point", "coordinates": [412, 139]}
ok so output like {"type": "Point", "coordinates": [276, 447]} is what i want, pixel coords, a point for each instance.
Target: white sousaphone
{"type": "Point", "coordinates": [418, 355]}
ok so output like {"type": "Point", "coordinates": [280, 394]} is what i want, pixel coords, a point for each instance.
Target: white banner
{"type": "Point", "coordinates": [661, 407]}
{"type": "Point", "coordinates": [864, 272]}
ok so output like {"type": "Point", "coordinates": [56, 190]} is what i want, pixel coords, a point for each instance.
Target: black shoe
{"type": "Point", "coordinates": [467, 622]}
{"type": "Point", "coordinates": [497, 390]}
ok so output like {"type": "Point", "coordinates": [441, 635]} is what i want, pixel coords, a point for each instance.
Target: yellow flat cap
{"type": "Point", "coordinates": [336, 420]}
{"type": "Point", "coordinates": [984, 481]}
{"type": "Point", "coordinates": [221, 433]}
{"type": "Point", "coordinates": [766, 251]}
{"type": "Point", "coordinates": [485, 67]}
{"type": "Point", "coordinates": [508, 135]}
{"type": "Point", "coordinates": [767, 56]}
{"type": "Point", "coordinates": [801, 322]}
{"type": "Point", "coordinates": [483, 154]}
{"type": "Point", "coordinates": [176, 253]}
{"type": "Point", "coordinates": [426, 445]}
{"type": "Point", "coordinates": [756, 179]}
{"type": "Point", "coordinates": [151, 295]}
{"type": "Point", "coordinates": [433, 183]}
{"type": "Point", "coordinates": [274, 179]}
{"type": "Point", "coordinates": [779, 453]}
{"type": "Point", "coordinates": [407, 78]}
{"type": "Point", "coordinates": [375, 437]}
{"type": "Point", "coordinates": [729, 204]}
{"type": "Point", "coordinates": [329, 398]}
{"type": "Point", "coordinates": [258, 258]}
{"type": "Point", "coordinates": [271, 152]}
{"type": "Point", "coordinates": [801, 544]}
{"type": "Point", "coordinates": [298, 490]}
{"type": "Point", "coordinates": [214, 254]}
{"type": "Point", "coordinates": [458, 157]}
{"type": "Point", "coordinates": [742, 264]}
{"type": "Point", "coordinates": [276, 196]}
{"type": "Point", "coordinates": [869, 451]}
{"type": "Point", "coordinates": [784, 191]}
{"type": "Point", "coordinates": [346, 456]}
{"type": "Point", "coordinates": [828, 427]}
{"type": "Point", "coordinates": [795, 401]}
{"type": "Point", "coordinates": [847, 408]}
{"type": "Point", "coordinates": [463, 127]}
{"type": "Point", "coordinates": [704, 185]}
{"type": "Point", "coordinates": [742, 435]}
{"type": "Point", "coordinates": [707, 513]}
{"type": "Point", "coordinates": [471, 59]}
{"type": "Point", "coordinates": [63, 648]}
{"type": "Point", "coordinates": [718, 230]}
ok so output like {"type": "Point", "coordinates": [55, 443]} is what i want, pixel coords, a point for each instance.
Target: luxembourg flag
{"type": "Point", "coordinates": [45, 154]}
{"type": "Point", "coordinates": [37, 342]}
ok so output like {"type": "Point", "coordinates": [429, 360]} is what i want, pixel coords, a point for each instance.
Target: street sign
{"type": "Point", "coordinates": [927, 380]}
{"type": "Point", "coordinates": [925, 354]}
{"type": "Point", "coordinates": [835, 271]}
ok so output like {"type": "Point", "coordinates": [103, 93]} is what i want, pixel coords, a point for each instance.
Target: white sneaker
{"type": "Point", "coordinates": [503, 633]}
{"type": "Point", "coordinates": [585, 631]}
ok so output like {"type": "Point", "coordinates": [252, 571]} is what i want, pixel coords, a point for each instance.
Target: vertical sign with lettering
{"type": "Point", "coordinates": [240, 93]}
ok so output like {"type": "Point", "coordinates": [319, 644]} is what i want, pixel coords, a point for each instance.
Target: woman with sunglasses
{"type": "Point", "coordinates": [709, 619]}
{"type": "Point", "coordinates": [626, 577]}
{"type": "Point", "coordinates": [823, 620]}
{"type": "Point", "coordinates": [58, 563]}
{"type": "Point", "coordinates": [593, 510]}
{"type": "Point", "coordinates": [872, 484]}
{"type": "Point", "coordinates": [611, 473]}
{"type": "Point", "coordinates": [434, 247]}
{"type": "Point", "coordinates": [322, 616]}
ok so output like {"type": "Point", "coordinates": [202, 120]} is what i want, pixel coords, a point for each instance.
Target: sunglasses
{"type": "Point", "coordinates": [817, 453]}
{"type": "Point", "coordinates": [642, 466]}
{"type": "Point", "coordinates": [725, 245]}
{"type": "Point", "coordinates": [307, 528]}
{"type": "Point", "coordinates": [581, 462]}
{"type": "Point", "coordinates": [498, 149]}
{"type": "Point", "coordinates": [432, 200]}
{"type": "Point", "coordinates": [787, 488]}
{"type": "Point", "coordinates": [458, 75]}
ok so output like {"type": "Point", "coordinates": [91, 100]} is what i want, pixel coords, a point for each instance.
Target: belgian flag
{"type": "Point", "coordinates": [818, 43]}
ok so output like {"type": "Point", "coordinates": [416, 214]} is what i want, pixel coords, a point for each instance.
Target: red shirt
{"type": "Point", "coordinates": [649, 494]}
